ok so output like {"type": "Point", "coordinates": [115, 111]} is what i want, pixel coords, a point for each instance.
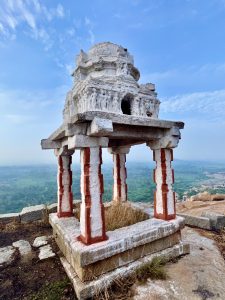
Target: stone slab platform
{"type": "Point", "coordinates": [91, 288]}
{"type": "Point", "coordinates": [123, 246]}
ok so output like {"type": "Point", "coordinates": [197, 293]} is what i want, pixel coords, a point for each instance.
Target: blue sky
{"type": "Point", "coordinates": [178, 45]}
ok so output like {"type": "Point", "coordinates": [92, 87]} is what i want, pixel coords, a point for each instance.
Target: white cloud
{"type": "Point", "coordinates": [31, 13]}
{"type": "Point", "coordinates": [188, 78]}
{"type": "Point", "coordinates": [90, 25]}
{"type": "Point", "coordinates": [207, 105]}
{"type": "Point", "coordinates": [15, 103]}
{"type": "Point", "coordinates": [60, 11]}
{"type": "Point", "coordinates": [19, 119]}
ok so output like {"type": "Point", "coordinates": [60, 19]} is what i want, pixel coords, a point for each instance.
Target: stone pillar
{"type": "Point", "coordinates": [65, 195]}
{"type": "Point", "coordinates": [119, 175]}
{"type": "Point", "coordinates": [164, 197]}
{"type": "Point", "coordinates": [92, 219]}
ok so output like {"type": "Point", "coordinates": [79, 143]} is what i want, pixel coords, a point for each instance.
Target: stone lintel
{"type": "Point", "coordinates": [118, 241]}
{"type": "Point", "coordinates": [83, 141]}
{"type": "Point", "coordinates": [125, 119]}
{"type": "Point", "coordinates": [115, 143]}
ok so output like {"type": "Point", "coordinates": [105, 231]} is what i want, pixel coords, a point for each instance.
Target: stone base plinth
{"type": "Point", "coordinates": [86, 290]}
{"type": "Point", "coordinates": [123, 246]}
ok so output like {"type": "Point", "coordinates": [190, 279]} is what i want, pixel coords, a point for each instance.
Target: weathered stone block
{"type": "Point", "coordinates": [195, 221]}
{"type": "Point", "coordinates": [40, 241]}
{"type": "Point", "coordinates": [45, 252]}
{"type": "Point", "coordinates": [82, 141]}
{"type": "Point", "coordinates": [33, 213]}
{"type": "Point", "coordinates": [217, 220]}
{"type": "Point", "coordinates": [7, 218]}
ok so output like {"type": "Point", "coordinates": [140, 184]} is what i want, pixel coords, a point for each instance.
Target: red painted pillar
{"type": "Point", "coordinates": [65, 195]}
{"type": "Point", "coordinates": [119, 175]}
{"type": "Point", "coordinates": [164, 197]}
{"type": "Point", "coordinates": [92, 219]}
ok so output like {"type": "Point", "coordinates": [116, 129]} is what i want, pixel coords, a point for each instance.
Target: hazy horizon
{"type": "Point", "coordinates": [177, 45]}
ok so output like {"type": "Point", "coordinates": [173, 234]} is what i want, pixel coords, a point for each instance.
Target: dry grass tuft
{"type": "Point", "coordinates": [119, 215]}
{"type": "Point", "coordinates": [121, 289]}
{"type": "Point", "coordinates": [154, 270]}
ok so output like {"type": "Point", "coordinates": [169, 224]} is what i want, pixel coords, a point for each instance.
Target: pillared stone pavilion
{"type": "Point", "coordinates": [108, 108]}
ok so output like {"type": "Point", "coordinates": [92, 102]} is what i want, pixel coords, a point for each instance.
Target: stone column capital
{"type": "Point", "coordinates": [63, 151]}
{"type": "Point", "coordinates": [119, 150]}
{"type": "Point", "coordinates": [169, 141]}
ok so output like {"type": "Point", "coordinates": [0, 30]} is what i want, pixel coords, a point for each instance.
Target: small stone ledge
{"type": "Point", "coordinates": [11, 217]}
{"type": "Point", "coordinates": [195, 221]}
{"type": "Point", "coordinates": [33, 213]}
{"type": "Point", "coordinates": [88, 289]}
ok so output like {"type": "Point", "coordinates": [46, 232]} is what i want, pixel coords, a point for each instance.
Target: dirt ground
{"type": "Point", "coordinates": [33, 279]}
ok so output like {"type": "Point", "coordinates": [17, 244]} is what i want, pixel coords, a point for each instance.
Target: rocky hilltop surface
{"type": "Point", "coordinates": [31, 269]}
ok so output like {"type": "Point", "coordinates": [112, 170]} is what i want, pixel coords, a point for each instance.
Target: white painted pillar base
{"type": "Point", "coordinates": [92, 219]}
{"type": "Point", "coordinates": [119, 175]}
{"type": "Point", "coordinates": [64, 179]}
{"type": "Point", "coordinates": [164, 198]}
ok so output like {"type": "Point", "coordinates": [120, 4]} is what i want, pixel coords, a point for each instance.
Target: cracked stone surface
{"type": "Point", "coordinates": [197, 276]}
{"type": "Point", "coordinates": [40, 241]}
{"type": "Point", "coordinates": [46, 252]}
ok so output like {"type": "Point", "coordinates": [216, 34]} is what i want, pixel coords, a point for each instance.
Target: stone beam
{"type": "Point", "coordinates": [58, 134]}
{"type": "Point", "coordinates": [48, 144]}
{"type": "Point", "coordinates": [114, 143]}
{"type": "Point", "coordinates": [82, 141]}
{"type": "Point", "coordinates": [125, 119]}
